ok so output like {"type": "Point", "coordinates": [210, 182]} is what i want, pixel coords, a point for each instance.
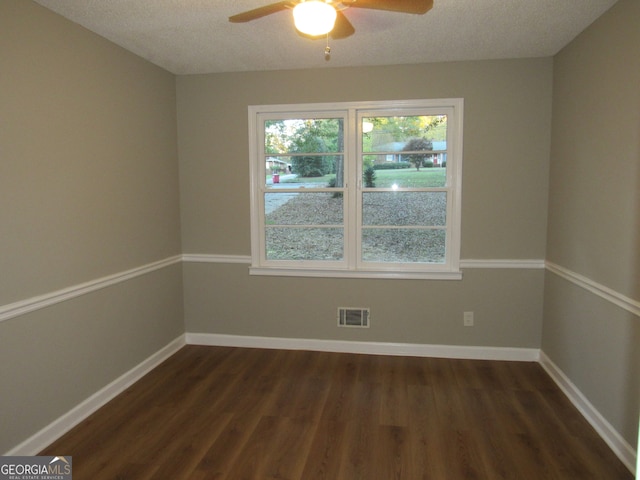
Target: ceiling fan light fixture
{"type": "Point", "coordinates": [314, 17]}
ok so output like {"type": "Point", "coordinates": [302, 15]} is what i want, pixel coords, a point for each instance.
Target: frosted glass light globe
{"type": "Point", "coordinates": [314, 17]}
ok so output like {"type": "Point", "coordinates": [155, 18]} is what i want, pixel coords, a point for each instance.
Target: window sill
{"type": "Point", "coordinates": [372, 274]}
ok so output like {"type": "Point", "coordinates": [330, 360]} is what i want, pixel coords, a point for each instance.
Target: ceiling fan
{"type": "Point", "coordinates": [337, 25]}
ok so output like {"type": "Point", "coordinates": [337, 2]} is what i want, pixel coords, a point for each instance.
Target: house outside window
{"type": "Point", "coordinates": [364, 189]}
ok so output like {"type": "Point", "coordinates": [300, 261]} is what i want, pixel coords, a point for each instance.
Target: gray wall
{"type": "Point", "coordinates": [88, 188]}
{"type": "Point", "coordinates": [594, 214]}
{"type": "Point", "coordinates": [506, 150]}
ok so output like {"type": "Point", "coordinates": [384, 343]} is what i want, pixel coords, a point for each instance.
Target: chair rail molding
{"type": "Point", "coordinates": [22, 307]}
{"type": "Point", "coordinates": [596, 288]}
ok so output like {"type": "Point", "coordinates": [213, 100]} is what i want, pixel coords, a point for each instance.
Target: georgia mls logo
{"type": "Point", "coordinates": [64, 466]}
{"type": "Point", "coordinates": [35, 468]}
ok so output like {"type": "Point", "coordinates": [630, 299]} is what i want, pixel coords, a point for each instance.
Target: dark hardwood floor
{"type": "Point", "coordinates": [232, 413]}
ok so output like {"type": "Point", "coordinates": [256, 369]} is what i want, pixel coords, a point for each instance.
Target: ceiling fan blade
{"type": "Point", "coordinates": [261, 12]}
{"type": "Point", "coordinates": [342, 27]}
{"type": "Point", "coordinates": [403, 6]}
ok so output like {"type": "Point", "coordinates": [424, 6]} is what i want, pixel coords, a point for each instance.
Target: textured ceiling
{"type": "Point", "coordinates": [195, 36]}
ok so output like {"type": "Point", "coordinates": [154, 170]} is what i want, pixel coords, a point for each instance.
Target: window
{"type": "Point", "coordinates": [357, 189]}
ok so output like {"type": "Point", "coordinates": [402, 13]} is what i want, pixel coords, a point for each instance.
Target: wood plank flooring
{"type": "Point", "coordinates": [232, 413]}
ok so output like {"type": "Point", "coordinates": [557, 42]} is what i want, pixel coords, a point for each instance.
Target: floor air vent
{"type": "Point", "coordinates": [353, 317]}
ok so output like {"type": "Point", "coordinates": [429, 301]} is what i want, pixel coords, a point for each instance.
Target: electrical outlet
{"type": "Point", "coordinates": [467, 319]}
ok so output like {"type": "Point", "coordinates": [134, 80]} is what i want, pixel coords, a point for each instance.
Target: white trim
{"type": "Point", "coordinates": [606, 293]}
{"type": "Point", "coordinates": [600, 290]}
{"type": "Point", "coordinates": [470, 263]}
{"type": "Point", "coordinates": [42, 301]}
{"type": "Point", "coordinates": [338, 273]}
{"type": "Point", "coordinates": [21, 307]}
{"type": "Point", "coordinates": [618, 445]}
{"type": "Point", "coordinates": [208, 258]}
{"type": "Point", "coordinates": [351, 260]}
{"type": "Point", "coordinates": [503, 263]}
{"type": "Point", "coordinates": [66, 422]}
{"type": "Point", "coordinates": [371, 348]}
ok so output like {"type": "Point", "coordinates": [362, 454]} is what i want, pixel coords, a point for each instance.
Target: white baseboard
{"type": "Point", "coordinates": [619, 445]}
{"type": "Point", "coordinates": [56, 429]}
{"type": "Point", "coordinates": [373, 348]}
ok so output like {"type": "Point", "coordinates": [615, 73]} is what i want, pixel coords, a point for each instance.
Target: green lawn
{"type": "Point", "coordinates": [410, 178]}
{"type": "Point", "coordinates": [405, 178]}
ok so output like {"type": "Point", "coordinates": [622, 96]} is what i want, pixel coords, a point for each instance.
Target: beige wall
{"type": "Point", "coordinates": [89, 156]}
{"type": "Point", "coordinates": [594, 214]}
{"type": "Point", "coordinates": [88, 188]}
{"type": "Point", "coordinates": [506, 145]}
{"type": "Point", "coordinates": [506, 148]}
{"type": "Point", "coordinates": [224, 299]}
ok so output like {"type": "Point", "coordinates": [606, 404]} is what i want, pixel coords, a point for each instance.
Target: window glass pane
{"type": "Point", "coordinates": [404, 208]}
{"type": "Point", "coordinates": [400, 245]}
{"type": "Point", "coordinates": [278, 169]}
{"type": "Point", "coordinates": [309, 148]}
{"type": "Point", "coordinates": [304, 135]}
{"type": "Point", "coordinates": [294, 208]}
{"type": "Point", "coordinates": [393, 134]}
{"type": "Point", "coordinates": [317, 169]}
{"type": "Point", "coordinates": [322, 171]}
{"type": "Point", "coordinates": [307, 243]}
{"type": "Point", "coordinates": [378, 177]}
{"type": "Point", "coordinates": [396, 146]}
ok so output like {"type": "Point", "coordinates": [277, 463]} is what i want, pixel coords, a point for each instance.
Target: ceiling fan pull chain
{"type": "Point", "coordinates": [327, 50]}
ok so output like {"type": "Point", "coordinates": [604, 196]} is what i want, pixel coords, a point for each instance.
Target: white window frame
{"type": "Point", "coordinates": [351, 266]}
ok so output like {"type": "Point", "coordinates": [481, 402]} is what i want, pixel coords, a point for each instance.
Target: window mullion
{"type": "Point", "coordinates": [352, 244]}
